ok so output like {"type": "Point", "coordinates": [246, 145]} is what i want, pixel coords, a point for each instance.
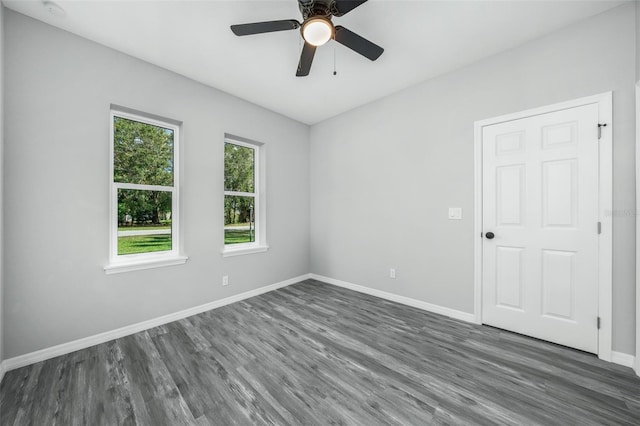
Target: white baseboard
{"type": "Point", "coordinates": [622, 359]}
{"type": "Point", "coordinates": [3, 369]}
{"type": "Point", "coordinates": [65, 348]}
{"type": "Point", "coordinates": [429, 307]}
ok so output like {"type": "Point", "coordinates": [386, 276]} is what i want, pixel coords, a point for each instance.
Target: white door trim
{"type": "Point", "coordinates": [605, 207]}
{"type": "Point", "coordinates": [636, 366]}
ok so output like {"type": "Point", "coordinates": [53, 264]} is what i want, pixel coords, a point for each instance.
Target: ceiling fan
{"type": "Point", "coordinates": [317, 29]}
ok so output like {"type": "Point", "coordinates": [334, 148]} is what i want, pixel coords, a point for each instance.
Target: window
{"type": "Point", "coordinates": [243, 209]}
{"type": "Point", "coordinates": [144, 192]}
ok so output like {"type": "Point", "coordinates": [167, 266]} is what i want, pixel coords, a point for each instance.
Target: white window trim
{"type": "Point", "coordinates": [133, 262]}
{"type": "Point", "coordinates": [260, 244]}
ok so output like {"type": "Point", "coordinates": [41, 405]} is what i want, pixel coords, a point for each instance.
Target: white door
{"type": "Point", "coordinates": [540, 201]}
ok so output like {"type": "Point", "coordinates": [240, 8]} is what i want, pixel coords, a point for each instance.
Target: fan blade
{"type": "Point", "coordinates": [306, 58]}
{"type": "Point", "coordinates": [358, 44]}
{"type": "Point", "coordinates": [342, 7]}
{"type": "Point", "coordinates": [264, 27]}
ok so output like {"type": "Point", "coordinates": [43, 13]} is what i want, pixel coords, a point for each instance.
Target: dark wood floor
{"type": "Point", "coordinates": [312, 354]}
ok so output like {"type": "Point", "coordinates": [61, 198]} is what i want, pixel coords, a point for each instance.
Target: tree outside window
{"type": "Point", "coordinates": [143, 180]}
{"type": "Point", "coordinates": [240, 199]}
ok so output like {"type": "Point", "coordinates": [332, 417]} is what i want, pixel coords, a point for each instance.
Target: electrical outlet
{"type": "Point", "coordinates": [392, 273]}
{"type": "Point", "coordinates": [225, 280]}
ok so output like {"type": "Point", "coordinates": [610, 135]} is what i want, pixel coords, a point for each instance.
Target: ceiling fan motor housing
{"type": "Point", "coordinates": [311, 8]}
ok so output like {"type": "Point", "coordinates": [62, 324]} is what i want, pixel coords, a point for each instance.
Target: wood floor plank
{"type": "Point", "coordinates": [315, 354]}
{"type": "Point", "coordinates": [19, 395]}
{"type": "Point", "coordinates": [147, 371]}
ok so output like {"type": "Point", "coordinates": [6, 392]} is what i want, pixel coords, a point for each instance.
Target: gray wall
{"type": "Point", "coordinates": [637, 366]}
{"type": "Point", "coordinates": [1, 175]}
{"type": "Point", "coordinates": [58, 92]}
{"type": "Point", "coordinates": [637, 3]}
{"type": "Point", "coordinates": [384, 175]}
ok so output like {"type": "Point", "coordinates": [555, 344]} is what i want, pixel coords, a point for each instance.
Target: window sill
{"type": "Point", "coordinates": [239, 251]}
{"type": "Point", "coordinates": [140, 264]}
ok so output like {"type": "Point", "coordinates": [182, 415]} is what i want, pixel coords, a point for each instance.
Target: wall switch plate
{"type": "Point", "coordinates": [392, 273]}
{"type": "Point", "coordinates": [225, 280]}
{"type": "Point", "coordinates": [455, 213]}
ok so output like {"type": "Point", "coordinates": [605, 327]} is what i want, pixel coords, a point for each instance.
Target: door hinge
{"type": "Point", "coordinates": [600, 126]}
{"type": "Point", "coordinates": [599, 227]}
{"type": "Point", "coordinates": [599, 322]}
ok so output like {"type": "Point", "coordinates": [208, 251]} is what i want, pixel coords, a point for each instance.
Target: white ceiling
{"type": "Point", "coordinates": [422, 39]}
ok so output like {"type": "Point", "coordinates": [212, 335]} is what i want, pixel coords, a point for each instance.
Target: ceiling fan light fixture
{"type": "Point", "coordinates": [317, 31]}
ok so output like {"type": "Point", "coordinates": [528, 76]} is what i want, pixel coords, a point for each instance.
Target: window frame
{"type": "Point", "coordinates": [260, 243]}
{"type": "Point", "coordinates": [137, 261]}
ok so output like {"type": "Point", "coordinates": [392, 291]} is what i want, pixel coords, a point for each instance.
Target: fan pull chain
{"type": "Point", "coordinates": [334, 61]}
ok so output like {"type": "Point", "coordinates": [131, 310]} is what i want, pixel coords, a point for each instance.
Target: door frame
{"type": "Point", "coordinates": [636, 366]}
{"type": "Point", "coordinates": [605, 209]}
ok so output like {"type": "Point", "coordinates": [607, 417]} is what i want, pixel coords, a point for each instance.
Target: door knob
{"type": "Point", "coordinates": [489, 235]}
